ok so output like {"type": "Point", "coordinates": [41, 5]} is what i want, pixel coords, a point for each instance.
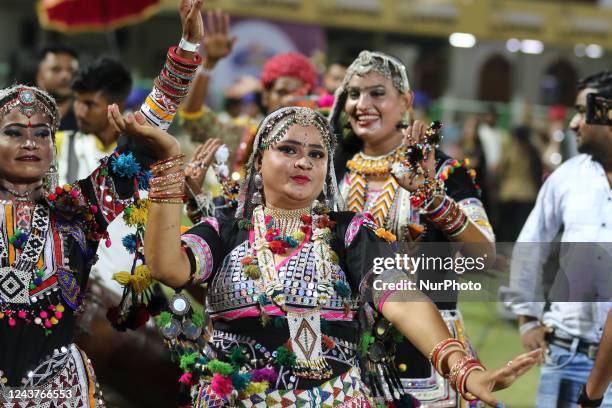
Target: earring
{"type": "Point", "coordinates": [51, 178]}
{"type": "Point", "coordinates": [258, 183]}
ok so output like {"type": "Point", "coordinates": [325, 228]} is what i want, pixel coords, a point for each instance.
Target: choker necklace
{"type": "Point", "coordinates": [366, 165]}
{"type": "Point", "coordinates": [288, 221]}
{"type": "Point", "coordinates": [20, 196]}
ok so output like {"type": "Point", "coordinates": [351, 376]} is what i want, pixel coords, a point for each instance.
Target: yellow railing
{"type": "Point", "coordinates": [555, 24]}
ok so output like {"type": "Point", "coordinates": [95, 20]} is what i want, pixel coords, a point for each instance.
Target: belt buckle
{"type": "Point", "coordinates": [592, 352]}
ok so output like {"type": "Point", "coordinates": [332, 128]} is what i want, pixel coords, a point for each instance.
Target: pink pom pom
{"type": "Point", "coordinates": [12, 322]}
{"type": "Point", "coordinates": [93, 209]}
{"type": "Point", "coordinates": [108, 243]}
{"type": "Point", "coordinates": [48, 324]}
{"type": "Point", "coordinates": [326, 101]}
{"type": "Point", "coordinates": [58, 315]}
{"type": "Point", "coordinates": [21, 314]}
{"type": "Point", "coordinates": [43, 314]}
{"type": "Point", "coordinates": [186, 379]}
{"type": "Point", "coordinates": [221, 385]}
{"type": "Point", "coordinates": [74, 193]}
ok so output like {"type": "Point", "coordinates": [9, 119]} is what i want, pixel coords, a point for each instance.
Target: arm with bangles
{"type": "Point", "coordinates": [430, 194]}
{"type": "Point", "coordinates": [420, 322]}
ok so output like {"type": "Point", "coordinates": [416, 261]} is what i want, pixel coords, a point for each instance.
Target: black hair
{"type": "Point", "coordinates": [107, 75]}
{"type": "Point", "coordinates": [56, 49]}
{"type": "Point", "coordinates": [602, 81]}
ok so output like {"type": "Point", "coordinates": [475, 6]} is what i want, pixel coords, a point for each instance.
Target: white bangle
{"type": "Point", "coordinates": [204, 71]}
{"type": "Point", "coordinates": [524, 328]}
{"type": "Point", "coordinates": [188, 46]}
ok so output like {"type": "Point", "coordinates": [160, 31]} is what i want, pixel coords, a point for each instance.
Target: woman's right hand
{"type": "Point", "coordinates": [136, 126]}
{"type": "Point", "coordinates": [217, 44]}
{"type": "Point", "coordinates": [195, 172]}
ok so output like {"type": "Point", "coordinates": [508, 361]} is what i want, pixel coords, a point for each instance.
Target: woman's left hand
{"type": "Point", "coordinates": [136, 126]}
{"type": "Point", "coordinates": [482, 383]}
{"type": "Point", "coordinates": [414, 134]}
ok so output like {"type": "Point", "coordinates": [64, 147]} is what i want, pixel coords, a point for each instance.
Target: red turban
{"type": "Point", "coordinates": [292, 64]}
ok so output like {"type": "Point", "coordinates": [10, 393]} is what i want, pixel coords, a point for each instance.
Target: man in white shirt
{"type": "Point", "coordinates": [577, 196]}
{"type": "Point", "coordinates": [96, 86]}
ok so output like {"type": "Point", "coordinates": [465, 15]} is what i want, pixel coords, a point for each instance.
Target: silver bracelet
{"type": "Point", "coordinates": [524, 328]}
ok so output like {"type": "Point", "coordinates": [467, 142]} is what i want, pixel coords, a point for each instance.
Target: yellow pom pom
{"type": "Point", "coordinates": [256, 387]}
{"type": "Point", "coordinates": [123, 278]}
{"type": "Point", "coordinates": [141, 279]}
{"type": "Point", "coordinates": [299, 236]}
{"type": "Point", "coordinates": [1, 315]}
{"type": "Point", "coordinates": [402, 367]}
{"type": "Point", "coordinates": [67, 187]}
{"type": "Point", "coordinates": [467, 162]}
{"type": "Point", "coordinates": [54, 320]}
{"type": "Point", "coordinates": [60, 308]}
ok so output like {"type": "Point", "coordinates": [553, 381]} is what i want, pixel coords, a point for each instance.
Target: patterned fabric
{"type": "Point", "coordinates": [345, 391]}
{"type": "Point", "coordinates": [68, 371]}
{"type": "Point", "coordinates": [474, 210]}
{"type": "Point", "coordinates": [356, 223]}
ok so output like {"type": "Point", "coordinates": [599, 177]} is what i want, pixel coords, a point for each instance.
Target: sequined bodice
{"type": "Point", "coordinates": [232, 290]}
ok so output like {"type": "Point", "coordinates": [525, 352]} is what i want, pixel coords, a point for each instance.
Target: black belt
{"type": "Point", "coordinates": [590, 349]}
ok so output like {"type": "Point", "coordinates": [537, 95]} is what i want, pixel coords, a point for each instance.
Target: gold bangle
{"type": "Point", "coordinates": [156, 170]}
{"type": "Point", "coordinates": [168, 178]}
{"type": "Point", "coordinates": [165, 187]}
{"type": "Point", "coordinates": [166, 200]}
{"type": "Point", "coordinates": [192, 115]}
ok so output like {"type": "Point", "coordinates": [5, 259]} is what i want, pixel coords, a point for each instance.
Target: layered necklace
{"type": "Point", "coordinates": [363, 166]}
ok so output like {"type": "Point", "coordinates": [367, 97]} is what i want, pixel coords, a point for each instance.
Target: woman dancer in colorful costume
{"type": "Point", "coordinates": [413, 191]}
{"type": "Point", "coordinates": [284, 281]}
{"type": "Point", "coordinates": [49, 234]}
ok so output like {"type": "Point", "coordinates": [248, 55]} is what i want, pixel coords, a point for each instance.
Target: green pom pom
{"type": "Point", "coordinates": [163, 319]}
{"type": "Point", "coordinates": [342, 288]}
{"type": "Point", "coordinates": [365, 342]}
{"type": "Point", "coordinates": [197, 318]}
{"type": "Point", "coordinates": [240, 381]}
{"type": "Point", "coordinates": [188, 360]}
{"type": "Point", "coordinates": [237, 356]}
{"type": "Point", "coordinates": [216, 366]}
{"type": "Point", "coordinates": [284, 357]}
{"type": "Point", "coordinates": [262, 299]}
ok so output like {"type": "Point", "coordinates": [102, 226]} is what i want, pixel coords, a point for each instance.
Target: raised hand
{"type": "Point", "coordinates": [191, 20]}
{"type": "Point", "coordinates": [136, 126]}
{"type": "Point", "coordinates": [481, 384]}
{"type": "Point", "coordinates": [411, 181]}
{"type": "Point", "coordinates": [217, 43]}
{"type": "Point", "coordinates": [195, 172]}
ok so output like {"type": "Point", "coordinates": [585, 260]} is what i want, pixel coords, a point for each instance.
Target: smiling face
{"type": "Point", "coordinates": [294, 169]}
{"type": "Point", "coordinates": [375, 107]}
{"type": "Point", "coordinates": [26, 147]}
